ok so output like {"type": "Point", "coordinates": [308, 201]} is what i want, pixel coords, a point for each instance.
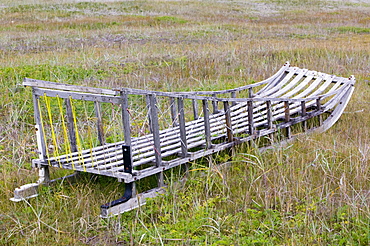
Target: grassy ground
{"type": "Point", "coordinates": [315, 191]}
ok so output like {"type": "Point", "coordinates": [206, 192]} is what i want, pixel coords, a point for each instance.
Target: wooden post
{"type": "Point", "coordinates": [250, 118]}
{"type": "Point", "coordinates": [215, 105]}
{"type": "Point", "coordinates": [183, 141]}
{"type": "Point", "coordinates": [147, 100]}
{"type": "Point", "coordinates": [99, 123]}
{"type": "Point", "coordinates": [44, 174]}
{"type": "Point", "coordinates": [269, 114]}
{"type": "Point", "coordinates": [229, 130]}
{"type": "Point", "coordinates": [155, 131]}
{"type": "Point", "coordinates": [303, 114]}
{"type": "Point", "coordinates": [39, 125]}
{"type": "Point", "coordinates": [173, 111]}
{"type": "Point", "coordinates": [195, 109]}
{"type": "Point", "coordinates": [130, 188]}
{"type": "Point", "coordinates": [126, 118]}
{"type": "Point", "coordinates": [207, 127]}
{"type": "Point", "coordinates": [250, 92]}
{"type": "Point", "coordinates": [70, 125]}
{"type": "Point", "coordinates": [318, 105]}
{"type": "Point", "coordinates": [233, 95]}
{"type": "Point", "coordinates": [269, 119]}
{"type": "Point", "coordinates": [287, 118]}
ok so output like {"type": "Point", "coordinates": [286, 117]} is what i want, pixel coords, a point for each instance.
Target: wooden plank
{"type": "Point", "coordinates": [131, 204]}
{"type": "Point", "coordinates": [273, 87]}
{"type": "Point", "coordinates": [66, 87]}
{"type": "Point", "coordinates": [290, 84]}
{"type": "Point", "coordinates": [78, 96]}
{"type": "Point", "coordinates": [328, 80]}
{"type": "Point", "coordinates": [310, 88]}
{"type": "Point", "coordinates": [308, 78]}
{"type": "Point", "coordinates": [342, 103]}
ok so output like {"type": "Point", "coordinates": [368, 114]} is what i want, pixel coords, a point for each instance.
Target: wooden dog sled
{"type": "Point", "coordinates": [131, 134]}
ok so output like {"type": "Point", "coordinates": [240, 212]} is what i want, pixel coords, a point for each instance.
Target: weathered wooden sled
{"type": "Point", "coordinates": [131, 134]}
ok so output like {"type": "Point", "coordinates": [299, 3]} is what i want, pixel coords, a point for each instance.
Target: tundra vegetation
{"type": "Point", "coordinates": [314, 191]}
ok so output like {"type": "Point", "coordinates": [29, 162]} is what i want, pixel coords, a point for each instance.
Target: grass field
{"type": "Point", "coordinates": [315, 191]}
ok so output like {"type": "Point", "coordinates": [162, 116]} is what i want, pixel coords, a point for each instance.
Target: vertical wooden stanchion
{"type": "Point", "coordinates": [147, 100]}
{"type": "Point", "coordinates": [287, 118]}
{"type": "Point", "coordinates": [215, 105]}
{"type": "Point", "coordinates": [44, 173]}
{"type": "Point", "coordinates": [127, 154]}
{"type": "Point", "coordinates": [207, 127]}
{"type": "Point", "coordinates": [269, 119]}
{"type": "Point", "coordinates": [173, 111]}
{"type": "Point", "coordinates": [233, 95]}
{"type": "Point", "coordinates": [71, 126]}
{"type": "Point", "coordinates": [99, 123]}
{"type": "Point", "coordinates": [318, 106]}
{"type": "Point", "coordinates": [250, 118]}
{"type": "Point", "coordinates": [303, 114]}
{"type": "Point", "coordinates": [229, 130]}
{"type": "Point", "coordinates": [155, 131]}
{"type": "Point", "coordinates": [184, 145]}
{"type": "Point", "coordinates": [250, 92]}
{"type": "Point", "coordinates": [125, 119]}
{"type": "Point", "coordinates": [195, 109]}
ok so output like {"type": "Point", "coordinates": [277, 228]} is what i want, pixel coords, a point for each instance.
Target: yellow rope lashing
{"type": "Point", "coordinates": [89, 134]}
{"type": "Point", "coordinates": [78, 141]}
{"type": "Point", "coordinates": [53, 137]}
{"type": "Point", "coordinates": [65, 133]}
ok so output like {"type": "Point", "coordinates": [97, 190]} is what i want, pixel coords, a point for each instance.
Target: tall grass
{"type": "Point", "coordinates": [313, 191]}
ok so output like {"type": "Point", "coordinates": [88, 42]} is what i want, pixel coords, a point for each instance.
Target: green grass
{"type": "Point", "coordinates": [314, 191]}
{"type": "Point", "coordinates": [352, 29]}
